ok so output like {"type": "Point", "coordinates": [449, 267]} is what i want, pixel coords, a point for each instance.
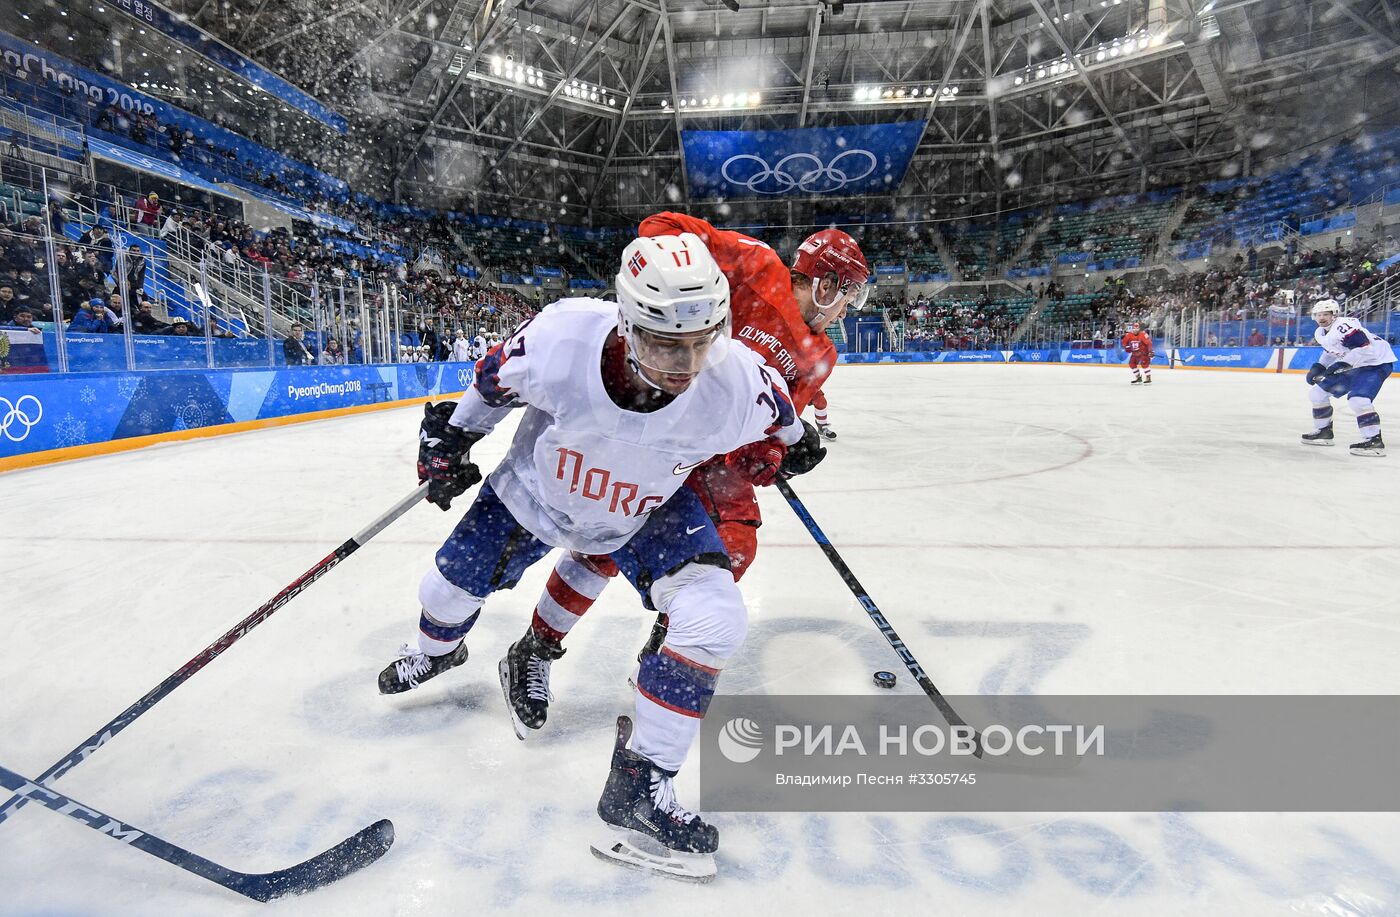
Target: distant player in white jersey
{"type": "Point", "coordinates": [480, 344]}
{"type": "Point", "coordinates": [1354, 365]}
{"type": "Point", "coordinates": [621, 401]}
{"type": "Point", "coordinates": [462, 348]}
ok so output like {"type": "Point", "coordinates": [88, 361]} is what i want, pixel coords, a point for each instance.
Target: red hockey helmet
{"type": "Point", "coordinates": [833, 253]}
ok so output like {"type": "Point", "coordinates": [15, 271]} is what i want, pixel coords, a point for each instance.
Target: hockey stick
{"type": "Point", "coordinates": [212, 651]}
{"type": "Point", "coordinates": [873, 610]}
{"type": "Point", "coordinates": [887, 631]}
{"type": "Point", "coordinates": [351, 854]}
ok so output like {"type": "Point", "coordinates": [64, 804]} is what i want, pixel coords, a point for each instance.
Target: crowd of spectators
{"type": "Point", "coordinates": [90, 294]}
{"type": "Point", "coordinates": [1249, 286]}
{"type": "Point", "coordinates": [949, 324]}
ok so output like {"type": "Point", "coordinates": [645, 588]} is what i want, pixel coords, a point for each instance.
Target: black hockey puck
{"type": "Point", "coordinates": [885, 679]}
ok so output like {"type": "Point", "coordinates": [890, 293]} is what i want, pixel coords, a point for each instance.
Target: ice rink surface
{"type": "Point", "coordinates": [1029, 529]}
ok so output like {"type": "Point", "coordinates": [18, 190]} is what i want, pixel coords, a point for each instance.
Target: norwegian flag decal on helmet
{"type": "Point", "coordinates": [636, 264]}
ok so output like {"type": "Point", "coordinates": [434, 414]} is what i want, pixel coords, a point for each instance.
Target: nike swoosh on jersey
{"type": "Point", "coordinates": [687, 469]}
{"type": "Point", "coordinates": [690, 531]}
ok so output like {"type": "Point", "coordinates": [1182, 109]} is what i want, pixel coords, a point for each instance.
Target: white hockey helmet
{"type": "Point", "coordinates": [670, 286]}
{"type": "Point", "coordinates": [481, 331]}
{"type": "Point", "coordinates": [1326, 305]}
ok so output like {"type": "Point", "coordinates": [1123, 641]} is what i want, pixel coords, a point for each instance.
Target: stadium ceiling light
{"type": "Point", "coordinates": [755, 98]}
{"type": "Point", "coordinates": [860, 94]}
{"type": "Point", "coordinates": [1040, 74]}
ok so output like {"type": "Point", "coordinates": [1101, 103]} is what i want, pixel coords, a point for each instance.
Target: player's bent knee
{"type": "Point", "coordinates": [446, 602]}
{"type": "Point", "coordinates": [1360, 404]}
{"type": "Point", "coordinates": [708, 620]}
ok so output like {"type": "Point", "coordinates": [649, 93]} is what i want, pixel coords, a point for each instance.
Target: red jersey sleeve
{"type": "Point", "coordinates": [766, 317]}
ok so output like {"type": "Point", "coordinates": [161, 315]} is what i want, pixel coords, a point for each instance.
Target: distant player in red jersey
{"type": "Point", "coordinates": [779, 312]}
{"type": "Point", "coordinates": [1138, 344]}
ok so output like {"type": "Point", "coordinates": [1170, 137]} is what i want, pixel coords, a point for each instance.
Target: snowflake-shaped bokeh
{"type": "Point", "coordinates": [146, 418]}
{"type": "Point", "coordinates": [127, 386]}
{"type": "Point", "coordinates": [88, 394]}
{"type": "Point", "coordinates": [71, 431]}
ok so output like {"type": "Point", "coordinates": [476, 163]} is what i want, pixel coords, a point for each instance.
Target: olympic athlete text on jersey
{"type": "Point", "coordinates": [1354, 365]}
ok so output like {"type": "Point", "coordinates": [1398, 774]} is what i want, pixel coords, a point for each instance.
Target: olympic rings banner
{"type": "Point", "coordinates": [868, 159]}
{"type": "Point", "coordinates": [42, 412]}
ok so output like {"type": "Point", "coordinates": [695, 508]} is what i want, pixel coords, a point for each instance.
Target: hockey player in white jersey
{"type": "Point", "coordinates": [480, 344]}
{"type": "Point", "coordinates": [462, 348]}
{"type": "Point", "coordinates": [1354, 365]}
{"type": "Point", "coordinates": [621, 402]}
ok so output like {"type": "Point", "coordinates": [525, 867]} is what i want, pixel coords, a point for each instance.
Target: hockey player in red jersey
{"type": "Point", "coordinates": [779, 312]}
{"type": "Point", "coordinates": [1138, 344]}
{"type": "Point", "coordinates": [823, 419]}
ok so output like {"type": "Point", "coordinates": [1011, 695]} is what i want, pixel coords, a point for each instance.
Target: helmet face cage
{"type": "Point", "coordinates": [850, 294]}
{"type": "Point", "coordinates": [676, 354]}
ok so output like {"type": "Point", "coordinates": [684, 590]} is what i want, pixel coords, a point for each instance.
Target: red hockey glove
{"type": "Point", "coordinates": [759, 462]}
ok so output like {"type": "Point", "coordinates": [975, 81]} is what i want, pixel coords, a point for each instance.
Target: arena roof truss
{"type": "Point", "coordinates": [577, 106]}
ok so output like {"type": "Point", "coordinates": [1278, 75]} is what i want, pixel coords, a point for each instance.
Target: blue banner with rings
{"type": "Point", "coordinates": [866, 159]}
{"type": "Point", "coordinates": [42, 412]}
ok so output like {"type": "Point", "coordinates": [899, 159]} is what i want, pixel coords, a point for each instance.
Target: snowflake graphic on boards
{"type": "Point", "coordinates": [88, 394]}
{"type": "Point", "coordinates": [127, 386]}
{"type": "Point", "coordinates": [70, 431]}
{"type": "Point", "coordinates": [192, 415]}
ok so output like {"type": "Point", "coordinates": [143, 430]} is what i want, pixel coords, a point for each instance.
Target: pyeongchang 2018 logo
{"type": "Point", "coordinates": [804, 172]}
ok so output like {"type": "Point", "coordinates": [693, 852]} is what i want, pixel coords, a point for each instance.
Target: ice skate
{"type": "Point", "coordinates": [646, 828]}
{"type": "Point", "coordinates": [414, 667]}
{"type": "Point", "coordinates": [1321, 437]}
{"type": "Point", "coordinates": [1373, 446]}
{"type": "Point", "coordinates": [825, 432]}
{"type": "Point", "coordinates": [525, 680]}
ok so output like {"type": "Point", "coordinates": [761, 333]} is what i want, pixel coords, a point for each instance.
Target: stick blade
{"type": "Point", "coordinates": [350, 855]}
